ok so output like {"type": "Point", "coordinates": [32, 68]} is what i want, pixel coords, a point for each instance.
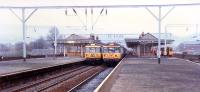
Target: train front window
{"type": "Point", "coordinates": [105, 50]}
{"type": "Point", "coordinates": [97, 50]}
{"type": "Point", "coordinates": [117, 50]}
{"type": "Point", "coordinates": [92, 49]}
{"type": "Point", "coordinates": [111, 50]}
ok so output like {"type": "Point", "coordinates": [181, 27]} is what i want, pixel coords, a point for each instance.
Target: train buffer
{"type": "Point", "coordinates": [146, 75]}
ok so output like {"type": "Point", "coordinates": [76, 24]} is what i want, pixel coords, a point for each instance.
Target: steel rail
{"type": "Point", "coordinates": [41, 81]}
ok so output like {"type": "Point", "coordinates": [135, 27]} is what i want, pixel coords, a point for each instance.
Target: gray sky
{"type": "Point", "coordinates": [118, 20]}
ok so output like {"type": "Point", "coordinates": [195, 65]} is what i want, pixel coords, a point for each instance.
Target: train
{"type": "Point", "coordinates": [93, 54]}
{"type": "Point", "coordinates": [113, 53]}
{"type": "Point", "coordinates": [169, 51]}
{"type": "Point", "coordinates": [110, 53]}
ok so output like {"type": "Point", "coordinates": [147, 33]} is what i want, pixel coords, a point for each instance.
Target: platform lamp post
{"type": "Point", "coordinates": [55, 42]}
{"type": "Point", "coordinates": [64, 50]}
{"type": "Point", "coordinates": [165, 48]}
{"type": "Point", "coordinates": [166, 37]}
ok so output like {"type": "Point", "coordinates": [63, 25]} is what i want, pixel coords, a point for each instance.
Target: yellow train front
{"type": "Point", "coordinates": [93, 54]}
{"type": "Point", "coordinates": [113, 53]}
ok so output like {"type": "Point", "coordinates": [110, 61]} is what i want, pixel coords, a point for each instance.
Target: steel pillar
{"type": "Point", "coordinates": [86, 20]}
{"type": "Point", "coordinates": [91, 19]}
{"type": "Point", "coordinates": [159, 31]}
{"type": "Point", "coordinates": [55, 41]}
{"type": "Point", "coordinates": [23, 20]}
{"type": "Point", "coordinates": [64, 50]}
{"type": "Point", "coordinates": [159, 19]}
{"type": "Point", "coordinates": [24, 34]}
{"type": "Point", "coordinates": [165, 49]}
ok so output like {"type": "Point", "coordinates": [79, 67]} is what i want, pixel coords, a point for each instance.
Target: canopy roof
{"type": "Point", "coordinates": [146, 39]}
{"type": "Point", "coordinates": [76, 39]}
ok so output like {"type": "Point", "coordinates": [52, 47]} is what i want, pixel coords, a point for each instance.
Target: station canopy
{"type": "Point", "coordinates": [146, 39]}
{"type": "Point", "coordinates": [75, 39]}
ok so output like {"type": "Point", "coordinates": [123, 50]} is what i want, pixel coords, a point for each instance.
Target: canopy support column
{"type": "Point", "coordinates": [23, 20]}
{"type": "Point", "coordinates": [159, 19]}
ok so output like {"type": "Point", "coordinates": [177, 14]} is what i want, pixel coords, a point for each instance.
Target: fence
{"type": "Point", "coordinates": [195, 58]}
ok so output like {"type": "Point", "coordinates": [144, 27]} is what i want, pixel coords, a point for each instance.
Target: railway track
{"type": "Point", "coordinates": [9, 80]}
{"type": "Point", "coordinates": [59, 82]}
{"type": "Point", "coordinates": [90, 84]}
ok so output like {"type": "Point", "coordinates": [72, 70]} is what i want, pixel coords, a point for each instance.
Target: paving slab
{"type": "Point", "coordinates": [20, 65]}
{"type": "Point", "coordinates": [146, 75]}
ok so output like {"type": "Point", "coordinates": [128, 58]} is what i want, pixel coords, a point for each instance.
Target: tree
{"type": "Point", "coordinates": [4, 47]}
{"type": "Point", "coordinates": [40, 43]}
{"type": "Point", "coordinates": [180, 47]}
{"type": "Point", "coordinates": [19, 46]}
{"type": "Point", "coordinates": [51, 35]}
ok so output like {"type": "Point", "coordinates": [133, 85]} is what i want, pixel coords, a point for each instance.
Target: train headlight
{"type": "Point", "coordinates": [92, 55]}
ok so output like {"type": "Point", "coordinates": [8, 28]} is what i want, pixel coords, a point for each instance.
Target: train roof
{"type": "Point", "coordinates": [112, 44]}
{"type": "Point", "coordinates": [162, 46]}
{"type": "Point", "coordinates": [93, 45]}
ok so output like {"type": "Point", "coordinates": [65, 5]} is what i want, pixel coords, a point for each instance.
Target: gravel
{"type": "Point", "coordinates": [93, 83]}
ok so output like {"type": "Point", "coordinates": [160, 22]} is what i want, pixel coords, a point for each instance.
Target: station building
{"type": "Point", "coordinates": [142, 46]}
{"type": "Point", "coordinates": [74, 44]}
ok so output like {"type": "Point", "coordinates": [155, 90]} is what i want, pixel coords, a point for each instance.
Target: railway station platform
{"type": "Point", "coordinates": [146, 75]}
{"type": "Point", "coordinates": [14, 66]}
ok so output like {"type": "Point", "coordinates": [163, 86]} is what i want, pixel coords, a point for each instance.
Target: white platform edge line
{"type": "Point", "coordinates": [189, 61]}
{"type": "Point", "coordinates": [98, 88]}
{"type": "Point", "coordinates": [33, 69]}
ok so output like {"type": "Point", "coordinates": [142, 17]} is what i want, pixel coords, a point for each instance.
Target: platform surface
{"type": "Point", "coordinates": [146, 75]}
{"type": "Point", "coordinates": [20, 65]}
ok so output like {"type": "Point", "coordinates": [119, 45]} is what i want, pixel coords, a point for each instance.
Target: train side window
{"type": "Point", "coordinates": [117, 50]}
{"type": "Point", "coordinates": [105, 50]}
{"type": "Point", "coordinates": [87, 49]}
{"type": "Point", "coordinates": [122, 50]}
{"type": "Point", "coordinates": [92, 50]}
{"type": "Point", "coordinates": [98, 50]}
{"type": "Point", "coordinates": [111, 50]}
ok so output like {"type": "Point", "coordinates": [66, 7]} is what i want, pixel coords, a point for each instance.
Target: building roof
{"type": "Point", "coordinates": [148, 36]}
{"type": "Point", "coordinates": [145, 39]}
{"type": "Point", "coordinates": [76, 39]}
